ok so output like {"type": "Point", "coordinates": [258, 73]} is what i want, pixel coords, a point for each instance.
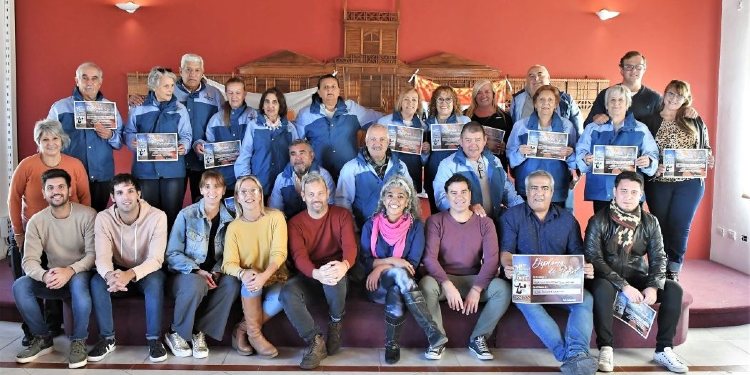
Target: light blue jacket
{"type": "Point", "coordinates": [358, 189]}
{"type": "Point", "coordinates": [501, 190]}
{"type": "Point", "coordinates": [159, 117]}
{"type": "Point", "coordinates": [285, 197]}
{"type": "Point", "coordinates": [567, 109]}
{"type": "Point", "coordinates": [334, 141]}
{"type": "Point", "coordinates": [188, 242]}
{"type": "Point", "coordinates": [265, 152]}
{"type": "Point", "coordinates": [201, 105]}
{"type": "Point", "coordinates": [633, 133]}
{"type": "Point", "coordinates": [217, 131]}
{"type": "Point", "coordinates": [523, 166]}
{"type": "Point", "coordinates": [85, 145]}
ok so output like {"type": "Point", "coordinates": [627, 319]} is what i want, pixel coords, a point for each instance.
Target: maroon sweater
{"type": "Point", "coordinates": [314, 243]}
{"type": "Point", "coordinates": [461, 249]}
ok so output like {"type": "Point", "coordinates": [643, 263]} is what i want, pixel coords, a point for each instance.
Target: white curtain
{"type": "Point", "coordinates": [8, 145]}
{"type": "Point", "coordinates": [294, 100]}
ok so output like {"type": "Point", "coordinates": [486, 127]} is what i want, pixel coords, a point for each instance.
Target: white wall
{"type": "Point", "coordinates": [732, 175]}
{"type": "Point", "coordinates": [8, 152]}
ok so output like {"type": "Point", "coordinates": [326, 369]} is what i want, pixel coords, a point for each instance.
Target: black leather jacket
{"type": "Point", "coordinates": [614, 264]}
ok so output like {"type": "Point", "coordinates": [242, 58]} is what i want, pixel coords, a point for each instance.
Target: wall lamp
{"type": "Point", "coordinates": [129, 7]}
{"type": "Point", "coordinates": [606, 14]}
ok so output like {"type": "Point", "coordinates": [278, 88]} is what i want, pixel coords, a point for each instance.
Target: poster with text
{"type": "Point", "coordinates": [405, 139]}
{"type": "Point", "coordinates": [220, 154]}
{"type": "Point", "coordinates": [156, 147]}
{"type": "Point", "coordinates": [445, 137]}
{"type": "Point", "coordinates": [612, 160]}
{"type": "Point", "coordinates": [86, 114]}
{"type": "Point", "coordinates": [548, 279]}
{"type": "Point", "coordinates": [547, 145]}
{"type": "Point", "coordinates": [685, 162]}
{"type": "Point", "coordinates": [638, 316]}
{"type": "Point", "coordinates": [495, 140]}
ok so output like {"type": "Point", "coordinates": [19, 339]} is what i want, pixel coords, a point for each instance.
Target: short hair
{"type": "Point", "coordinates": [52, 127]}
{"type": "Point", "coordinates": [191, 57]}
{"type": "Point", "coordinates": [397, 107]}
{"type": "Point", "coordinates": [55, 173]}
{"type": "Point", "coordinates": [554, 90]}
{"type": "Point", "coordinates": [539, 173]}
{"type": "Point", "coordinates": [478, 86]}
{"type": "Point", "coordinates": [457, 177]}
{"type": "Point", "coordinates": [376, 126]}
{"type": "Point", "coordinates": [279, 97]}
{"type": "Point", "coordinates": [326, 76]}
{"type": "Point", "coordinates": [399, 181]}
{"type": "Point", "coordinates": [436, 93]}
{"type": "Point", "coordinates": [154, 76]}
{"type": "Point", "coordinates": [629, 175]}
{"type": "Point", "coordinates": [300, 141]}
{"type": "Point", "coordinates": [212, 174]}
{"type": "Point", "coordinates": [618, 90]}
{"type": "Point", "coordinates": [472, 127]}
{"type": "Point", "coordinates": [311, 177]}
{"type": "Point", "coordinates": [124, 178]}
{"type": "Point", "coordinates": [630, 54]}
{"type": "Point", "coordinates": [88, 64]}
{"type": "Point", "coordinates": [237, 205]}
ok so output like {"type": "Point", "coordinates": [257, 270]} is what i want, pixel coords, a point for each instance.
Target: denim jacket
{"type": "Point", "coordinates": [188, 242]}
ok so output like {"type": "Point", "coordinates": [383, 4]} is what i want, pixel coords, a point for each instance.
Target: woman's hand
{"type": "Point", "coordinates": [374, 277]}
{"type": "Point", "coordinates": [660, 170]}
{"type": "Point", "coordinates": [402, 263]}
{"type": "Point", "coordinates": [643, 161]}
{"type": "Point", "coordinates": [209, 278]}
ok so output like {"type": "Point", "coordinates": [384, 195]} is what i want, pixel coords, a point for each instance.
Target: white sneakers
{"type": "Point", "coordinates": [669, 359]}
{"type": "Point", "coordinates": [177, 345]}
{"type": "Point", "coordinates": [606, 359]}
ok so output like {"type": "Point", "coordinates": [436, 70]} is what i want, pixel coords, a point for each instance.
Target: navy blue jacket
{"type": "Point", "coordinates": [265, 152]}
{"type": "Point", "coordinates": [201, 105]}
{"type": "Point", "coordinates": [413, 249]}
{"type": "Point", "coordinates": [217, 131]}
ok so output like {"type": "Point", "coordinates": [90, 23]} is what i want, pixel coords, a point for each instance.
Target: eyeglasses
{"type": "Point", "coordinates": [675, 95]}
{"type": "Point", "coordinates": [445, 100]}
{"type": "Point", "coordinates": [630, 68]}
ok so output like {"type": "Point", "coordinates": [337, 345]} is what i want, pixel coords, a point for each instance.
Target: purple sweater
{"type": "Point", "coordinates": [460, 249]}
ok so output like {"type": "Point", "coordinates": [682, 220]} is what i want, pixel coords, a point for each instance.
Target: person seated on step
{"type": "Point", "coordinates": [195, 252]}
{"type": "Point", "coordinates": [624, 244]}
{"type": "Point", "coordinates": [392, 245]}
{"type": "Point", "coordinates": [64, 233]}
{"type": "Point", "coordinates": [323, 248]}
{"type": "Point", "coordinates": [130, 240]}
{"type": "Point", "coordinates": [542, 228]}
{"type": "Point", "coordinates": [461, 258]}
{"type": "Point", "coordinates": [255, 253]}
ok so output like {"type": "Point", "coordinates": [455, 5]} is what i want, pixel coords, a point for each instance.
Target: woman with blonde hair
{"type": "Point", "coordinates": [255, 249]}
{"type": "Point", "coordinates": [484, 110]}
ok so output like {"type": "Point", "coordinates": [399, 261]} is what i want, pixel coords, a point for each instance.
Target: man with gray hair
{"type": "Point", "coordinates": [362, 178]}
{"type": "Point", "coordinates": [541, 228]}
{"type": "Point", "coordinates": [202, 101]}
{"type": "Point", "coordinates": [91, 145]}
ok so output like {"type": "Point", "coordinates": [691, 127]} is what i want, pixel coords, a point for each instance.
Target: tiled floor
{"type": "Point", "coordinates": [707, 351]}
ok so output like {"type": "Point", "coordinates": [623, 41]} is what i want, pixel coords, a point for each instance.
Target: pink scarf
{"type": "Point", "coordinates": [394, 234]}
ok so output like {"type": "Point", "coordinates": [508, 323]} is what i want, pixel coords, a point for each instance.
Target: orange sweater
{"type": "Point", "coordinates": [25, 197]}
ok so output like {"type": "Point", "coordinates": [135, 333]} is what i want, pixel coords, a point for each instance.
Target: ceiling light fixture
{"type": "Point", "coordinates": [606, 14]}
{"type": "Point", "coordinates": [129, 7]}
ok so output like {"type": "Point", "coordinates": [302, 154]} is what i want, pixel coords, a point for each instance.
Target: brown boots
{"type": "Point", "coordinates": [239, 339]}
{"type": "Point", "coordinates": [253, 311]}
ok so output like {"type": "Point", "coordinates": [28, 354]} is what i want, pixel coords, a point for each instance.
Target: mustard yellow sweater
{"type": "Point", "coordinates": [256, 244]}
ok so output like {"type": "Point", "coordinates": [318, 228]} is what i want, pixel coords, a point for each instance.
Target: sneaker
{"type": "Point", "coordinates": [478, 346]}
{"type": "Point", "coordinates": [315, 353]}
{"type": "Point", "coordinates": [200, 349]}
{"type": "Point", "coordinates": [671, 361]}
{"type": "Point", "coordinates": [333, 341]}
{"type": "Point", "coordinates": [156, 351]}
{"type": "Point", "coordinates": [39, 346]}
{"type": "Point", "coordinates": [606, 359]}
{"type": "Point", "coordinates": [101, 349]}
{"type": "Point", "coordinates": [434, 352]}
{"type": "Point", "coordinates": [77, 357]}
{"type": "Point", "coordinates": [26, 340]}
{"type": "Point", "coordinates": [177, 345]}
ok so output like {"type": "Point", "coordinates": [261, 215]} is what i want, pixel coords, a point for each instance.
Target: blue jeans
{"type": "Point", "coordinates": [152, 288]}
{"type": "Point", "coordinates": [270, 293]}
{"type": "Point", "coordinates": [212, 307]}
{"type": "Point", "coordinates": [26, 291]}
{"type": "Point", "coordinates": [577, 330]}
{"type": "Point", "coordinates": [300, 291]}
{"type": "Point", "coordinates": [675, 204]}
{"type": "Point", "coordinates": [394, 282]}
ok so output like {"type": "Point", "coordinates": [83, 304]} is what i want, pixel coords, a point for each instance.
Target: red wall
{"type": "Point", "coordinates": [679, 37]}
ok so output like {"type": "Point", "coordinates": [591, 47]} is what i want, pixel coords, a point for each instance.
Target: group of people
{"type": "Point", "coordinates": [312, 214]}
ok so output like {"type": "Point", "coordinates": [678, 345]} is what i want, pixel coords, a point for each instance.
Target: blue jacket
{"type": "Point", "coordinates": [159, 117]}
{"type": "Point", "coordinates": [265, 152]}
{"type": "Point", "coordinates": [413, 249]}
{"type": "Point", "coordinates": [633, 133]}
{"type": "Point", "coordinates": [436, 157]}
{"type": "Point", "coordinates": [358, 189]}
{"type": "Point", "coordinates": [501, 189]}
{"type": "Point", "coordinates": [201, 105]}
{"type": "Point", "coordinates": [567, 109]}
{"type": "Point", "coordinates": [188, 242]}
{"type": "Point", "coordinates": [523, 166]}
{"type": "Point", "coordinates": [413, 162]}
{"type": "Point", "coordinates": [334, 141]}
{"type": "Point", "coordinates": [217, 131]}
{"type": "Point", "coordinates": [285, 197]}
{"type": "Point", "coordinates": [85, 145]}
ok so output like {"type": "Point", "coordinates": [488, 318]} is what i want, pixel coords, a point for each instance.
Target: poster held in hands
{"type": "Point", "coordinates": [547, 279]}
